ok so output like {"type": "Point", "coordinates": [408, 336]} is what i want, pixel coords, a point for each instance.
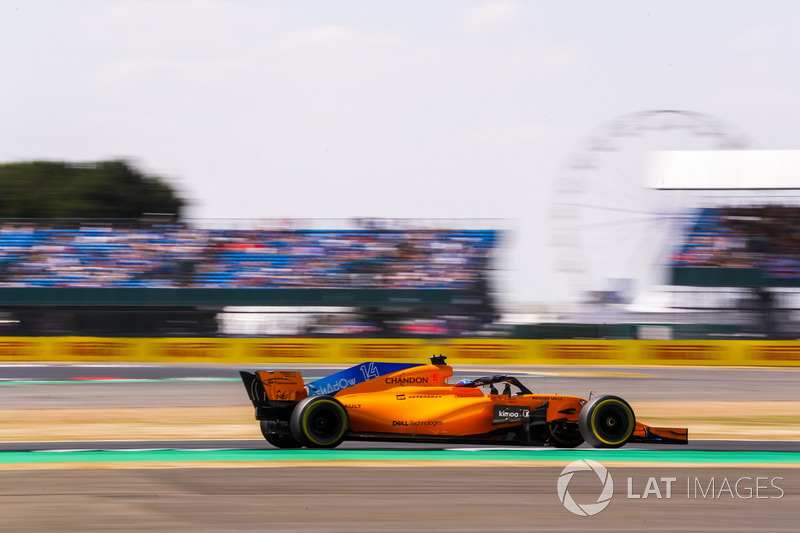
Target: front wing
{"type": "Point", "coordinates": [656, 435]}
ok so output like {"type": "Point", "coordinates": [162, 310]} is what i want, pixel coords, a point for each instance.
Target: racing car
{"type": "Point", "coordinates": [408, 402]}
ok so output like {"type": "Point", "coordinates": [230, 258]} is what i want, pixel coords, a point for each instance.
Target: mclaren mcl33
{"type": "Point", "coordinates": [405, 402]}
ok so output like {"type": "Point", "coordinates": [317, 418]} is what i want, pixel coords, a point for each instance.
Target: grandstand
{"type": "Point", "coordinates": [743, 244]}
{"type": "Point", "coordinates": [123, 277]}
{"type": "Point", "coordinates": [718, 246]}
{"type": "Point", "coordinates": [748, 256]}
{"type": "Point", "coordinates": [162, 257]}
{"type": "Point", "coordinates": [739, 263]}
{"type": "Point", "coordinates": [757, 246]}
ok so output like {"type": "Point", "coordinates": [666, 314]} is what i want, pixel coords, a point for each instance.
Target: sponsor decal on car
{"type": "Point", "coordinates": [403, 380]}
{"type": "Point", "coordinates": [352, 376]}
{"type": "Point", "coordinates": [284, 378]}
{"type": "Point", "coordinates": [509, 414]}
{"type": "Point", "coordinates": [417, 423]}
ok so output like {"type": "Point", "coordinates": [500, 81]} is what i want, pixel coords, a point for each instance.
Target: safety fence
{"type": "Point", "coordinates": [264, 351]}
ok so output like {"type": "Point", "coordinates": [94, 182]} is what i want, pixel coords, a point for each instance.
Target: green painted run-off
{"type": "Point", "coordinates": [678, 457]}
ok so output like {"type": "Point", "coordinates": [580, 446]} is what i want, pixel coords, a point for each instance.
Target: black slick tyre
{"type": "Point", "coordinates": [607, 422]}
{"type": "Point", "coordinates": [319, 422]}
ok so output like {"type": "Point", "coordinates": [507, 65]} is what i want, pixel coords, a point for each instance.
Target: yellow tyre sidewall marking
{"type": "Point", "coordinates": [308, 413]}
{"type": "Point", "coordinates": [628, 413]}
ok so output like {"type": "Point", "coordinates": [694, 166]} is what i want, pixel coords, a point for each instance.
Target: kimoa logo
{"type": "Point", "coordinates": [588, 509]}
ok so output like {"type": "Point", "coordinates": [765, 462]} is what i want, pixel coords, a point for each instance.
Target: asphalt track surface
{"type": "Point", "coordinates": [175, 385]}
{"type": "Point", "coordinates": [386, 495]}
{"type": "Point", "coordinates": [55, 386]}
{"type": "Point", "coordinates": [397, 499]}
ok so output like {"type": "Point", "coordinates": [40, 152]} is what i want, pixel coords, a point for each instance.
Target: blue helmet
{"type": "Point", "coordinates": [464, 382]}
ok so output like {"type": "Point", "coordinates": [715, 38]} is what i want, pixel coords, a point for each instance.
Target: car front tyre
{"type": "Point", "coordinates": [607, 422]}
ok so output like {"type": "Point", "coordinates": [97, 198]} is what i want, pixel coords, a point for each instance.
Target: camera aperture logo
{"type": "Point", "coordinates": [662, 488]}
{"type": "Point", "coordinates": [586, 509]}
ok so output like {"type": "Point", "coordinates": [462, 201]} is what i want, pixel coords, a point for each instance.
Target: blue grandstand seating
{"type": "Point", "coordinates": [171, 256]}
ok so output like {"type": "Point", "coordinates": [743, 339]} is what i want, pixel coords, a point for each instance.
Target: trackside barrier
{"type": "Point", "coordinates": [342, 351]}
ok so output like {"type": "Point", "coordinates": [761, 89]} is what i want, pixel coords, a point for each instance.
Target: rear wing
{"type": "Point", "coordinates": [264, 386]}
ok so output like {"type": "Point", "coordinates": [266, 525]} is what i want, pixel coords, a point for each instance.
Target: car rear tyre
{"type": "Point", "coordinates": [607, 422]}
{"type": "Point", "coordinates": [278, 440]}
{"type": "Point", "coordinates": [319, 422]}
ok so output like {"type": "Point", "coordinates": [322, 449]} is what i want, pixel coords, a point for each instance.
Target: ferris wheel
{"type": "Point", "coordinates": [610, 232]}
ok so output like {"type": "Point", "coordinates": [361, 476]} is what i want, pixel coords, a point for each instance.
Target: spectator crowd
{"type": "Point", "coordinates": [766, 237]}
{"type": "Point", "coordinates": [32, 255]}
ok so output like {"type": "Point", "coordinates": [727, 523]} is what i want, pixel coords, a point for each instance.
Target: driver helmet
{"type": "Point", "coordinates": [464, 382]}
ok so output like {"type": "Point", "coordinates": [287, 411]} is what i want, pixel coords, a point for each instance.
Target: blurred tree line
{"type": "Point", "coordinates": [105, 189]}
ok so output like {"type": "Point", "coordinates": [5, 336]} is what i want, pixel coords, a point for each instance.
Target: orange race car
{"type": "Point", "coordinates": [404, 402]}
